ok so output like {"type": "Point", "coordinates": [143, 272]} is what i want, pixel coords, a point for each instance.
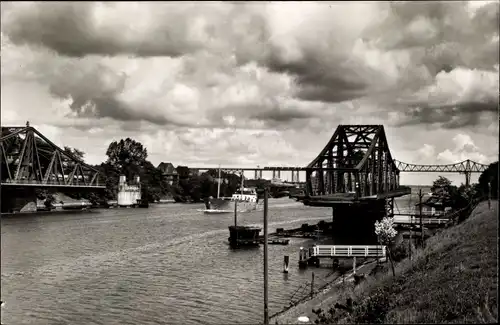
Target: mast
{"type": "Point", "coordinates": [218, 184]}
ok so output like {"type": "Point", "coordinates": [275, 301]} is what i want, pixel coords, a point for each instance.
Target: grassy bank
{"type": "Point", "coordinates": [453, 280]}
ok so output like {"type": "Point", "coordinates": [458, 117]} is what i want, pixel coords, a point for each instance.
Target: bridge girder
{"type": "Point", "coordinates": [356, 160]}
{"type": "Point", "coordinates": [28, 158]}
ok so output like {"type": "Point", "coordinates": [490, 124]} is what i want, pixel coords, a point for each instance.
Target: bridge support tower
{"type": "Point", "coordinates": [15, 199]}
{"type": "Point", "coordinates": [354, 223]}
{"type": "Point", "coordinates": [258, 174]}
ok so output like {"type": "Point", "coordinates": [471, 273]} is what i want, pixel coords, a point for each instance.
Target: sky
{"type": "Point", "coordinates": [248, 84]}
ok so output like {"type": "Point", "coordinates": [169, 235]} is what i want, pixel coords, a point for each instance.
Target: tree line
{"type": "Point", "coordinates": [130, 158]}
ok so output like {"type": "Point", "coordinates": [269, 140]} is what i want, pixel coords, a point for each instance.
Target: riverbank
{"type": "Point", "coordinates": [453, 280]}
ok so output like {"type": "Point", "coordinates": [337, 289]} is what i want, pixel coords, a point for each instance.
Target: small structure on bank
{"type": "Point", "coordinates": [129, 194]}
{"type": "Point", "coordinates": [434, 205]}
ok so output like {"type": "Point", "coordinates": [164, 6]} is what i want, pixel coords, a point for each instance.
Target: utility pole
{"type": "Point", "coordinates": [266, 310]}
{"type": "Point", "coordinates": [420, 195]}
{"type": "Point", "coordinates": [218, 184]}
{"type": "Point", "coordinates": [489, 195]}
{"type": "Point", "coordinates": [411, 230]}
{"type": "Point", "coordinates": [235, 213]}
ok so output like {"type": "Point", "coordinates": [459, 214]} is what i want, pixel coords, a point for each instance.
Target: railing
{"type": "Point", "coordinates": [416, 220]}
{"type": "Point", "coordinates": [416, 213]}
{"type": "Point", "coordinates": [349, 251]}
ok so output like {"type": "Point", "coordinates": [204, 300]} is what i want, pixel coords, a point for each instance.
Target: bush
{"type": "Point", "coordinates": [373, 309]}
{"type": "Point", "coordinates": [402, 251]}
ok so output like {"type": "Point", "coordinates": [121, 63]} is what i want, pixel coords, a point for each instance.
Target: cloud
{"type": "Point", "coordinates": [427, 151]}
{"type": "Point", "coordinates": [327, 52]}
{"type": "Point", "coordinates": [456, 99]}
{"type": "Point", "coordinates": [209, 80]}
{"type": "Point", "coordinates": [464, 149]}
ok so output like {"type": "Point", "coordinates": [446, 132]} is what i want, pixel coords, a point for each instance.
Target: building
{"type": "Point", "coordinates": [434, 205]}
{"type": "Point", "coordinates": [169, 172]}
{"type": "Point", "coordinates": [129, 194]}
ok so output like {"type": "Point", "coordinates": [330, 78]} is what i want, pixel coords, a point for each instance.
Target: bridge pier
{"type": "Point", "coordinates": [16, 198]}
{"type": "Point", "coordinates": [354, 224]}
{"type": "Point", "coordinates": [295, 176]}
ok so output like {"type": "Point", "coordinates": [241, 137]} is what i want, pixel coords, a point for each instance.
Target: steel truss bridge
{"type": "Point", "coordinates": [356, 164]}
{"type": "Point", "coordinates": [29, 159]}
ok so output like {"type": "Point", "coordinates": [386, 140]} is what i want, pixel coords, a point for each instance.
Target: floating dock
{"type": "Point", "coordinates": [312, 255]}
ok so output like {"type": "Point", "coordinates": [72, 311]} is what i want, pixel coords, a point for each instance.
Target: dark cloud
{"type": "Point", "coordinates": [321, 82]}
{"type": "Point", "coordinates": [71, 29]}
{"type": "Point", "coordinates": [448, 116]}
{"type": "Point", "coordinates": [330, 61]}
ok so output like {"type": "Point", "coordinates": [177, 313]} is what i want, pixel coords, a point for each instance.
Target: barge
{"type": "Point", "coordinates": [244, 236]}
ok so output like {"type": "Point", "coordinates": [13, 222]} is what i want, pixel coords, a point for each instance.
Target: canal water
{"type": "Point", "coordinates": [168, 264]}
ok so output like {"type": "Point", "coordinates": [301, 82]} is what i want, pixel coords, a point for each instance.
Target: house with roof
{"type": "Point", "coordinates": [435, 205]}
{"type": "Point", "coordinates": [169, 172]}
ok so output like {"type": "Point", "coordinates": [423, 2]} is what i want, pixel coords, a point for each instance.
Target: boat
{"type": "Point", "coordinates": [245, 200]}
{"type": "Point", "coordinates": [214, 211]}
{"type": "Point", "coordinates": [275, 241]}
{"type": "Point", "coordinates": [214, 208]}
{"type": "Point", "coordinates": [244, 236]}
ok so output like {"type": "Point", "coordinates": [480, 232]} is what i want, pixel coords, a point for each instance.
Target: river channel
{"type": "Point", "coordinates": [168, 264]}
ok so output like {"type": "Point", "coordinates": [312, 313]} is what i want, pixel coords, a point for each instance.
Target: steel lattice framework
{"type": "Point", "coordinates": [28, 158]}
{"type": "Point", "coordinates": [356, 160]}
{"type": "Point", "coordinates": [464, 167]}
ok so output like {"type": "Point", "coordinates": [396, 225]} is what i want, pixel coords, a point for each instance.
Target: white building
{"type": "Point", "coordinates": [128, 195]}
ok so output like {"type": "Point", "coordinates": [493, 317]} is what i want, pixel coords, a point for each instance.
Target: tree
{"type": "Point", "coordinates": [489, 176]}
{"type": "Point", "coordinates": [441, 187]}
{"type": "Point", "coordinates": [127, 156]}
{"type": "Point", "coordinates": [78, 154]}
{"type": "Point", "coordinates": [385, 233]}
{"type": "Point", "coordinates": [182, 172]}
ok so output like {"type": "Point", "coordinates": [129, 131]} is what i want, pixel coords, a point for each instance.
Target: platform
{"type": "Point", "coordinates": [350, 198]}
{"type": "Point", "coordinates": [313, 254]}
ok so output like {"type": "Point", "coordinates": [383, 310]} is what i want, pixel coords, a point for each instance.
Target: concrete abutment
{"type": "Point", "coordinates": [354, 224]}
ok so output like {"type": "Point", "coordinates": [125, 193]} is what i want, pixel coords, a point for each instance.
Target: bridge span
{"type": "Point", "coordinates": [29, 159]}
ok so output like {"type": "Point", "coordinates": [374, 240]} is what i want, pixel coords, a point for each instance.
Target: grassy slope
{"type": "Point", "coordinates": [453, 280]}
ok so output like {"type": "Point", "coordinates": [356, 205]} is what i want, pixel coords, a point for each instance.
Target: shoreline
{"type": "Point", "coordinates": [321, 296]}
{"type": "Point", "coordinates": [442, 260]}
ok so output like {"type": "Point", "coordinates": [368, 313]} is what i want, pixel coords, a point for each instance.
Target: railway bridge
{"type": "Point", "coordinates": [30, 161]}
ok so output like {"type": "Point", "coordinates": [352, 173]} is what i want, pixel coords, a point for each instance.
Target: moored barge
{"type": "Point", "coordinates": [244, 236]}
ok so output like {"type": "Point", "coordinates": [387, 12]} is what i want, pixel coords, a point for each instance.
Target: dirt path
{"type": "Point", "coordinates": [324, 299]}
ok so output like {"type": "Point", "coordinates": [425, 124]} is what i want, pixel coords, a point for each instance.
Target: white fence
{"type": "Point", "coordinates": [416, 220]}
{"type": "Point", "coordinates": [348, 251]}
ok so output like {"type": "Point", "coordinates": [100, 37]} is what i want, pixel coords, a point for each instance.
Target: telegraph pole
{"type": "Point", "coordinates": [266, 310]}
{"type": "Point", "coordinates": [489, 195]}
{"type": "Point", "coordinates": [420, 212]}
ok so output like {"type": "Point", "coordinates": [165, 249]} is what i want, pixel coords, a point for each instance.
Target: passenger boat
{"type": "Point", "coordinates": [243, 200]}
{"type": "Point", "coordinates": [246, 200]}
